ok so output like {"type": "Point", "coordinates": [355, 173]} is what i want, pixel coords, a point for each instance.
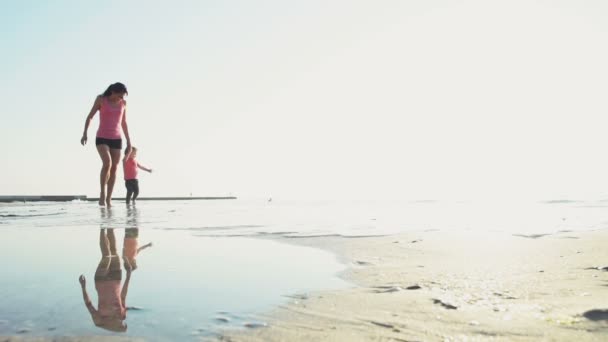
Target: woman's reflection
{"type": "Point", "coordinates": [111, 309]}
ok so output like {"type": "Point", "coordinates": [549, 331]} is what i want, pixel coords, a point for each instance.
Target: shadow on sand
{"type": "Point", "coordinates": [596, 315]}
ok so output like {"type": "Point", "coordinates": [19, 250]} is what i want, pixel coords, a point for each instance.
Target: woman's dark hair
{"type": "Point", "coordinates": [115, 88]}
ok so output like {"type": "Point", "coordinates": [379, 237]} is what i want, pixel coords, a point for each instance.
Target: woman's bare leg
{"type": "Point", "coordinates": [106, 160]}
{"type": "Point", "coordinates": [104, 243]}
{"type": "Point", "coordinates": [112, 240]}
{"type": "Point", "coordinates": [115, 155]}
{"type": "Point", "coordinates": [104, 247]}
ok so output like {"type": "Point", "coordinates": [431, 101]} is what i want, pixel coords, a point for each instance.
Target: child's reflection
{"type": "Point", "coordinates": [111, 309]}
{"type": "Point", "coordinates": [130, 246]}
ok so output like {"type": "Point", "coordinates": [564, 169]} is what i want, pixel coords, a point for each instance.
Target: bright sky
{"type": "Point", "coordinates": [423, 99]}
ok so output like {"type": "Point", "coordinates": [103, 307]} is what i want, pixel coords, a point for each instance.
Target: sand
{"type": "Point", "coordinates": [453, 286]}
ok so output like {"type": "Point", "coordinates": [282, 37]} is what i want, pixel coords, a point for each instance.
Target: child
{"type": "Point", "coordinates": [131, 248]}
{"type": "Point", "coordinates": [130, 166]}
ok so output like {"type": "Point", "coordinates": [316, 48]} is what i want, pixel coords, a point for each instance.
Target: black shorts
{"type": "Point", "coordinates": [108, 269]}
{"type": "Point", "coordinates": [132, 185]}
{"type": "Point", "coordinates": [115, 144]}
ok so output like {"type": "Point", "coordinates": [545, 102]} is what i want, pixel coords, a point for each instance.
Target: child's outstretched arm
{"type": "Point", "coordinates": [149, 244]}
{"type": "Point", "coordinates": [144, 168]}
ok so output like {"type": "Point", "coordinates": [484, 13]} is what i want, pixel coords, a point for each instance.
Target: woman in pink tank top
{"type": "Point", "coordinates": [112, 124]}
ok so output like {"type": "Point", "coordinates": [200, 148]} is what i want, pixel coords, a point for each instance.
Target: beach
{"type": "Point", "coordinates": [456, 286]}
{"type": "Point", "coordinates": [314, 271]}
{"type": "Point", "coordinates": [297, 171]}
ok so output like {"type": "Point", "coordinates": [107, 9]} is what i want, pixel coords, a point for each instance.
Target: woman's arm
{"type": "Point", "coordinates": [85, 296]}
{"type": "Point", "coordinates": [94, 109]}
{"type": "Point", "coordinates": [125, 286]}
{"type": "Point", "coordinates": [125, 129]}
{"type": "Point", "coordinates": [127, 154]}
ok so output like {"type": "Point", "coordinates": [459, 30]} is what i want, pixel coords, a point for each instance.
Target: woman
{"type": "Point", "coordinates": [112, 120]}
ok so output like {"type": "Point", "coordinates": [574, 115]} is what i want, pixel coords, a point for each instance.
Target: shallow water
{"type": "Point", "coordinates": [206, 270]}
{"type": "Point", "coordinates": [309, 218]}
{"type": "Point", "coordinates": [184, 285]}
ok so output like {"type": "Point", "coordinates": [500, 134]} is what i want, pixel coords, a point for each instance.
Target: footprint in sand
{"type": "Point", "coordinates": [446, 305]}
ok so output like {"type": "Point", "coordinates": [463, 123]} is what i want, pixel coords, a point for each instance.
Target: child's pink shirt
{"type": "Point", "coordinates": [130, 168]}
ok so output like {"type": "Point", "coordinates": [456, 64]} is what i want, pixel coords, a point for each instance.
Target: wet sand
{"type": "Point", "coordinates": [453, 286]}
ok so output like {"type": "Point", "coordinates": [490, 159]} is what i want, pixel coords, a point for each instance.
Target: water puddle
{"type": "Point", "coordinates": [153, 283]}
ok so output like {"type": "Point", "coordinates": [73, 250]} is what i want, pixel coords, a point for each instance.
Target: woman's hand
{"type": "Point", "coordinates": [82, 280]}
{"type": "Point", "coordinates": [128, 267]}
{"type": "Point", "coordinates": [83, 140]}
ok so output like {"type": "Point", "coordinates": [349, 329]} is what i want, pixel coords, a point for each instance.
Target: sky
{"type": "Point", "coordinates": [312, 99]}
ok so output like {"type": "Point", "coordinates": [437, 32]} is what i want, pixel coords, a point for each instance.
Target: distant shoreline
{"type": "Point", "coordinates": [69, 198]}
